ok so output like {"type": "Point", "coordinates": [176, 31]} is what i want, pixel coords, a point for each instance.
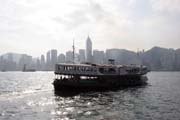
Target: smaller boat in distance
{"type": "Point", "coordinates": [98, 76]}
{"type": "Point", "coordinates": [27, 70]}
{"type": "Point", "coordinates": [3, 70]}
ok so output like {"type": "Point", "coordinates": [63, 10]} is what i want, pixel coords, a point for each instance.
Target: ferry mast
{"type": "Point", "coordinates": [73, 47]}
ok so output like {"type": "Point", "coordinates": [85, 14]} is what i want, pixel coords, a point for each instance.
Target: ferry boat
{"type": "Point", "coordinates": [88, 76]}
{"type": "Point", "coordinates": [98, 76]}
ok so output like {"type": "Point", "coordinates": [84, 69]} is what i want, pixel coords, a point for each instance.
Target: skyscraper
{"type": "Point", "coordinates": [25, 60]}
{"type": "Point", "coordinates": [53, 57]}
{"type": "Point", "coordinates": [42, 59]}
{"type": "Point", "coordinates": [48, 57]}
{"type": "Point", "coordinates": [69, 57]}
{"type": "Point", "coordinates": [48, 60]}
{"type": "Point", "coordinates": [113, 54]}
{"type": "Point", "coordinates": [81, 55]}
{"type": "Point", "coordinates": [61, 58]}
{"type": "Point", "coordinates": [88, 50]}
{"type": "Point", "coordinates": [98, 57]}
{"type": "Point", "coordinates": [42, 62]}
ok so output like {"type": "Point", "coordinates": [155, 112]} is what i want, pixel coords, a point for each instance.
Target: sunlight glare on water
{"type": "Point", "coordinates": [31, 96]}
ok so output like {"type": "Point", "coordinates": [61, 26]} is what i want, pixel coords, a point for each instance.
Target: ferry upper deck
{"type": "Point", "coordinates": [99, 70]}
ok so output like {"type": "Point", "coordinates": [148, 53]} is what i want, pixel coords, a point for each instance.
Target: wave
{"type": "Point", "coordinates": [21, 94]}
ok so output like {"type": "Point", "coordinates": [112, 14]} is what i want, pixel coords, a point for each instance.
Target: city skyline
{"type": "Point", "coordinates": [34, 27]}
{"type": "Point", "coordinates": [77, 51]}
{"type": "Point", "coordinates": [156, 59]}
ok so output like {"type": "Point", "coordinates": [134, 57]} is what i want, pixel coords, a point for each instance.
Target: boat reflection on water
{"type": "Point", "coordinates": [112, 104]}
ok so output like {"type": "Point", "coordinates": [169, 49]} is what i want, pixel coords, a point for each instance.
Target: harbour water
{"type": "Point", "coordinates": [31, 96]}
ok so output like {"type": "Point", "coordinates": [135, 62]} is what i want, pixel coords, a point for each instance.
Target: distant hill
{"type": "Point", "coordinates": [158, 58]}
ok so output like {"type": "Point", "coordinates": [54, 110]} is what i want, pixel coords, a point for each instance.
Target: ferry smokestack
{"type": "Point", "coordinates": [111, 61]}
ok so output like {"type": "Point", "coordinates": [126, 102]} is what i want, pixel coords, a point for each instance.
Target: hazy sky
{"type": "Point", "coordinates": [35, 26]}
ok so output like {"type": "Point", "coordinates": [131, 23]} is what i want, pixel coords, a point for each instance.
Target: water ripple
{"type": "Point", "coordinates": [31, 96]}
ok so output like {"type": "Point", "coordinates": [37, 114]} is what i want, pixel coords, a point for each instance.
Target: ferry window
{"type": "Point", "coordinates": [101, 70]}
{"type": "Point", "coordinates": [59, 67]}
{"type": "Point", "coordinates": [111, 70]}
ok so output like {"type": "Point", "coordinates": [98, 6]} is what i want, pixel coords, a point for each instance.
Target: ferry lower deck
{"type": "Point", "coordinates": [97, 83]}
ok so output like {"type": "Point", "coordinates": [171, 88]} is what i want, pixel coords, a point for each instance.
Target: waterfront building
{"type": "Point", "coordinates": [98, 57]}
{"type": "Point", "coordinates": [25, 60]}
{"type": "Point", "coordinates": [42, 62]}
{"type": "Point", "coordinates": [42, 59]}
{"type": "Point", "coordinates": [81, 55]}
{"type": "Point", "coordinates": [69, 57]}
{"type": "Point", "coordinates": [48, 60]}
{"type": "Point", "coordinates": [112, 54]}
{"type": "Point", "coordinates": [61, 58]}
{"type": "Point", "coordinates": [48, 57]}
{"type": "Point", "coordinates": [53, 57]}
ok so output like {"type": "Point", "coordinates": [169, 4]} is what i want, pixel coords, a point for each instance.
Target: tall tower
{"type": "Point", "coordinates": [42, 59]}
{"type": "Point", "coordinates": [53, 57]}
{"type": "Point", "coordinates": [48, 57]}
{"type": "Point", "coordinates": [42, 62]}
{"type": "Point", "coordinates": [88, 50]}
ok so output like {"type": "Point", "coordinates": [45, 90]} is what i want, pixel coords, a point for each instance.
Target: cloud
{"type": "Point", "coordinates": [90, 13]}
{"type": "Point", "coordinates": [127, 24]}
{"type": "Point", "coordinates": [166, 5]}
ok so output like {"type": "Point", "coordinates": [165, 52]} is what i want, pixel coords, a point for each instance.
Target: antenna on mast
{"type": "Point", "coordinates": [73, 51]}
